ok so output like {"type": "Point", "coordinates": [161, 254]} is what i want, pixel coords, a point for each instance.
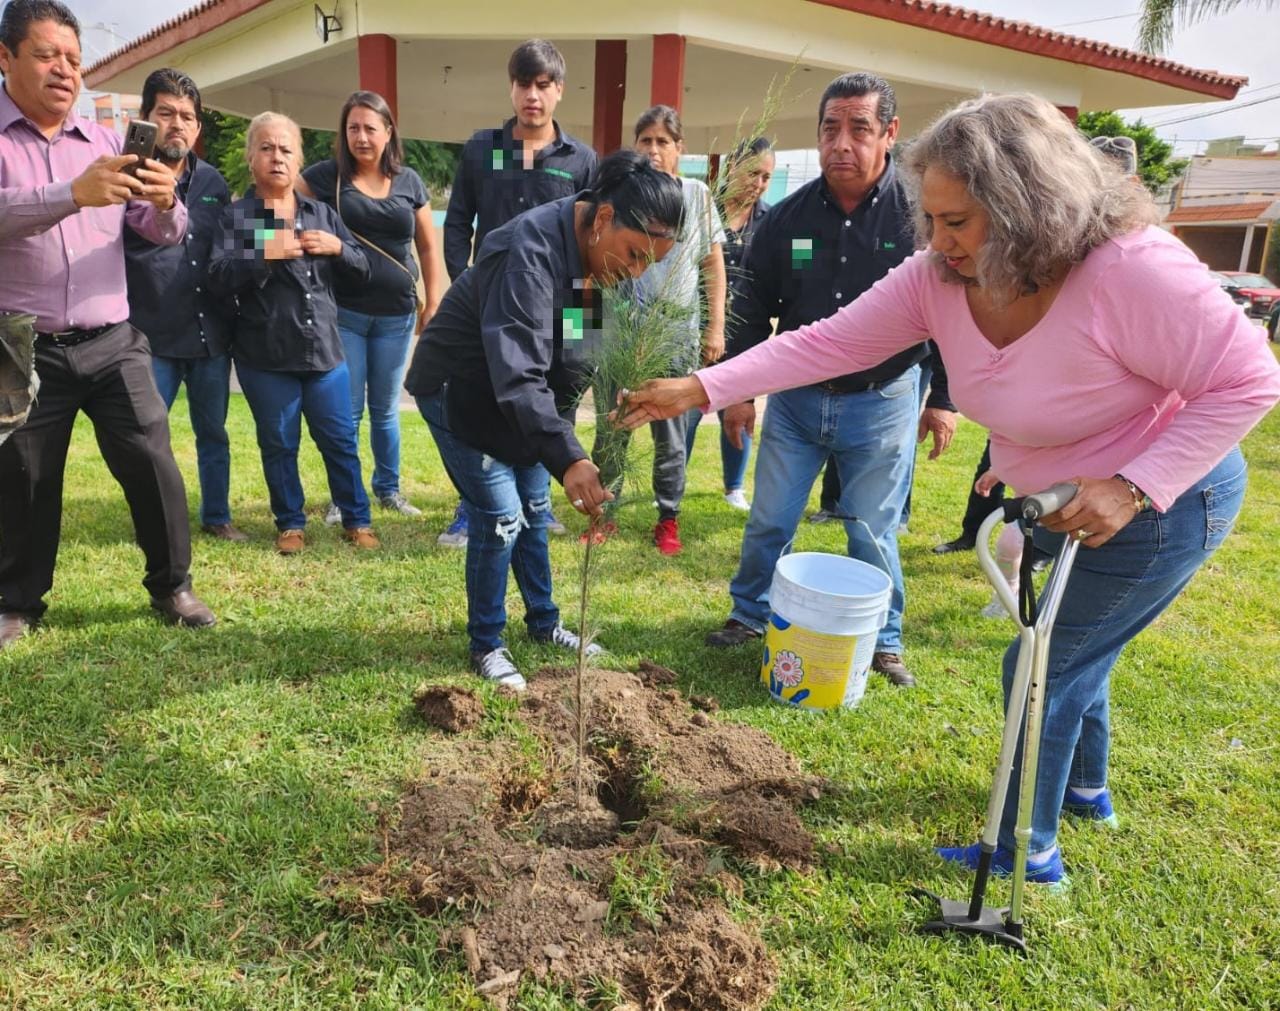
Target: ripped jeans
{"type": "Point", "coordinates": [507, 510]}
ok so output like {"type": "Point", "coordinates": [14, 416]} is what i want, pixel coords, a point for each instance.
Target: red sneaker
{"type": "Point", "coordinates": [666, 535]}
{"type": "Point", "coordinates": [600, 533]}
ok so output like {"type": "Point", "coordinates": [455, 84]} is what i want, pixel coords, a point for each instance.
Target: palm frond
{"type": "Point", "coordinates": [1160, 17]}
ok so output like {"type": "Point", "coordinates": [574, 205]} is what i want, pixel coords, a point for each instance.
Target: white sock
{"type": "Point", "coordinates": [1088, 792]}
{"type": "Point", "coordinates": [1043, 856]}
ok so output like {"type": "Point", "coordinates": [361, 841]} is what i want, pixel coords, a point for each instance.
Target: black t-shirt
{"type": "Point", "coordinates": [387, 222]}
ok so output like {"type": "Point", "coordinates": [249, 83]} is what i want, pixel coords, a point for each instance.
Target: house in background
{"type": "Point", "coordinates": [710, 59]}
{"type": "Point", "coordinates": [1226, 208]}
{"type": "Point", "coordinates": [115, 111]}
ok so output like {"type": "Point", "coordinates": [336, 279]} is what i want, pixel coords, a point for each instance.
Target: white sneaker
{"type": "Point", "coordinates": [737, 499]}
{"type": "Point", "coordinates": [555, 527]}
{"type": "Point", "coordinates": [562, 637]}
{"type": "Point", "coordinates": [398, 503]}
{"type": "Point", "coordinates": [332, 515]}
{"type": "Point", "coordinates": [498, 667]}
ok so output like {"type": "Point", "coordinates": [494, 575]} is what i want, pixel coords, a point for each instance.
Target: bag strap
{"type": "Point", "coordinates": [337, 206]}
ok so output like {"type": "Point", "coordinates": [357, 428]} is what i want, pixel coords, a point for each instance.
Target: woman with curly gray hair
{"type": "Point", "coordinates": [1096, 349]}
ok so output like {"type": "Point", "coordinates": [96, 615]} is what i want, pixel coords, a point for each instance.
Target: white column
{"type": "Point", "coordinates": [1248, 248]}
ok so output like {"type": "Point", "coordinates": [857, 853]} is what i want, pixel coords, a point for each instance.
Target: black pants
{"type": "Point", "coordinates": [110, 379]}
{"type": "Point", "coordinates": [979, 507]}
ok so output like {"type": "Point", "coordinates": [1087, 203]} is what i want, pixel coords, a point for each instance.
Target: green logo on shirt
{"type": "Point", "coordinates": [572, 327]}
{"type": "Point", "coordinates": [801, 253]}
{"type": "Point", "coordinates": [559, 172]}
{"type": "Point", "coordinates": [208, 200]}
{"type": "Point", "coordinates": [888, 245]}
{"type": "Point", "coordinates": [498, 160]}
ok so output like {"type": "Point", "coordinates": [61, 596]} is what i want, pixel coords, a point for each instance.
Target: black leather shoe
{"type": "Point", "coordinates": [225, 532]}
{"type": "Point", "coordinates": [892, 667]}
{"type": "Point", "coordinates": [962, 543]}
{"type": "Point", "coordinates": [734, 633]}
{"type": "Point", "coordinates": [13, 626]}
{"type": "Point", "coordinates": [184, 608]}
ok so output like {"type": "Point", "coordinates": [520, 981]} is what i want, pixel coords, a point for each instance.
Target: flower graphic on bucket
{"type": "Point", "coordinates": [788, 668]}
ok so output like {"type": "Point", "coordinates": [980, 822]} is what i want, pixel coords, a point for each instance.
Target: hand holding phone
{"type": "Point", "coordinates": [139, 140]}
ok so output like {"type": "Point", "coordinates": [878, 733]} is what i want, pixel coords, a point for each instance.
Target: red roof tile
{"type": "Point", "coordinates": [1217, 212]}
{"type": "Point", "coordinates": [941, 17]}
{"type": "Point", "coordinates": [1028, 38]}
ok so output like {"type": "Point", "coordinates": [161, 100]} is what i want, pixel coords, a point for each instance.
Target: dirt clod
{"type": "Point", "coordinates": [621, 879]}
{"type": "Point", "coordinates": [449, 708]}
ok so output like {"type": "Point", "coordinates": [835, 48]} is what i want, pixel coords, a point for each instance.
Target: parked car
{"type": "Point", "coordinates": [1262, 294]}
{"type": "Point", "coordinates": [1229, 286]}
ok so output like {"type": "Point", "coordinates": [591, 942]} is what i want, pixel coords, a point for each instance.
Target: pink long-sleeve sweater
{"type": "Point", "coordinates": [1142, 366]}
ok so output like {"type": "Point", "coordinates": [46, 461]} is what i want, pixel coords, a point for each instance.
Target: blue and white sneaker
{"type": "Point", "coordinates": [497, 667]}
{"type": "Point", "coordinates": [1047, 872]}
{"type": "Point", "coordinates": [1091, 808]}
{"type": "Point", "coordinates": [569, 641]}
{"type": "Point", "coordinates": [456, 534]}
{"type": "Point", "coordinates": [555, 527]}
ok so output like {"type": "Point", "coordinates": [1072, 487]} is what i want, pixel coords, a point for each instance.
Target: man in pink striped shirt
{"type": "Point", "coordinates": [64, 202]}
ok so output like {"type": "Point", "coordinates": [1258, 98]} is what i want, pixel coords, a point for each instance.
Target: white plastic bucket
{"type": "Point", "coordinates": [827, 612]}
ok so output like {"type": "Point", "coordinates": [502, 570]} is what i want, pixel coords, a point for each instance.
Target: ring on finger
{"type": "Point", "coordinates": [1082, 534]}
{"type": "Point", "coordinates": [577, 503]}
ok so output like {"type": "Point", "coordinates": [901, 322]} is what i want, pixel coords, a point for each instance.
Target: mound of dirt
{"type": "Point", "coordinates": [449, 708]}
{"type": "Point", "coordinates": [619, 880]}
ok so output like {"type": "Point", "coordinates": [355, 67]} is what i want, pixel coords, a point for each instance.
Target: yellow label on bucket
{"type": "Point", "coordinates": [805, 667]}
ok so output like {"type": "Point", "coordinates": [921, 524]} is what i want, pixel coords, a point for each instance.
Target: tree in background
{"type": "Point", "coordinates": [1155, 164]}
{"type": "Point", "coordinates": [224, 139]}
{"type": "Point", "coordinates": [1155, 29]}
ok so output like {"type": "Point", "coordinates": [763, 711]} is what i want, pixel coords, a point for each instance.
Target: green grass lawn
{"type": "Point", "coordinates": [171, 801]}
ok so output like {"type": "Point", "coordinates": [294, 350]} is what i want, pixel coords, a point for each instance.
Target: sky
{"type": "Point", "coordinates": [1242, 42]}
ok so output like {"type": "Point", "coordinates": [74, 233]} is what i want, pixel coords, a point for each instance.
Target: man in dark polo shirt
{"type": "Point", "coordinates": [813, 253]}
{"type": "Point", "coordinates": [169, 300]}
{"type": "Point", "coordinates": [526, 162]}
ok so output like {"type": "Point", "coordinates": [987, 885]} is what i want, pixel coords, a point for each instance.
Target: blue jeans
{"type": "Point", "coordinates": [279, 400]}
{"type": "Point", "coordinates": [926, 377]}
{"type": "Point", "coordinates": [377, 349]}
{"type": "Point", "coordinates": [872, 437]}
{"type": "Point", "coordinates": [733, 461]}
{"type": "Point", "coordinates": [208, 390]}
{"type": "Point", "coordinates": [507, 509]}
{"type": "Point", "coordinates": [1113, 593]}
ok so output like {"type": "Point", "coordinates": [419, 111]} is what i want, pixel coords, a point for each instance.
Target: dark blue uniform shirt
{"type": "Point", "coordinates": [809, 258]}
{"type": "Point", "coordinates": [511, 341]}
{"type": "Point", "coordinates": [169, 297]}
{"type": "Point", "coordinates": [492, 186]}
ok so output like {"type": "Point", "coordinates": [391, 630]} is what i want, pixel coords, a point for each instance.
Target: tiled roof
{"type": "Point", "coordinates": [1028, 38]}
{"type": "Point", "coordinates": [941, 17]}
{"type": "Point", "coordinates": [1218, 212]}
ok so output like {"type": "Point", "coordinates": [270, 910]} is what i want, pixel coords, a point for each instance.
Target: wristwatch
{"type": "Point", "coordinates": [1141, 500]}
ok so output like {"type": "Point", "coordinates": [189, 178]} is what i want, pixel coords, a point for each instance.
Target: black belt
{"type": "Point", "coordinates": [70, 338]}
{"type": "Point", "coordinates": [835, 387]}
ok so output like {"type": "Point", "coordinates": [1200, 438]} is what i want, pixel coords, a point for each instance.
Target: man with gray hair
{"type": "Point", "coordinates": [64, 202]}
{"type": "Point", "coordinates": [814, 253]}
{"type": "Point", "coordinates": [169, 298]}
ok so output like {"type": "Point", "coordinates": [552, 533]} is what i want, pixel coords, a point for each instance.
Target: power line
{"type": "Point", "coordinates": [1095, 21]}
{"type": "Point", "coordinates": [1216, 112]}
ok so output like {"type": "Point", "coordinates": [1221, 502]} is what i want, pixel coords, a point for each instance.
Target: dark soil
{"type": "Point", "coordinates": [449, 708]}
{"type": "Point", "coordinates": [626, 882]}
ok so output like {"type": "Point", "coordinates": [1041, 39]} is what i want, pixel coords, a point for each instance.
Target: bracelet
{"type": "Point", "coordinates": [1141, 500]}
